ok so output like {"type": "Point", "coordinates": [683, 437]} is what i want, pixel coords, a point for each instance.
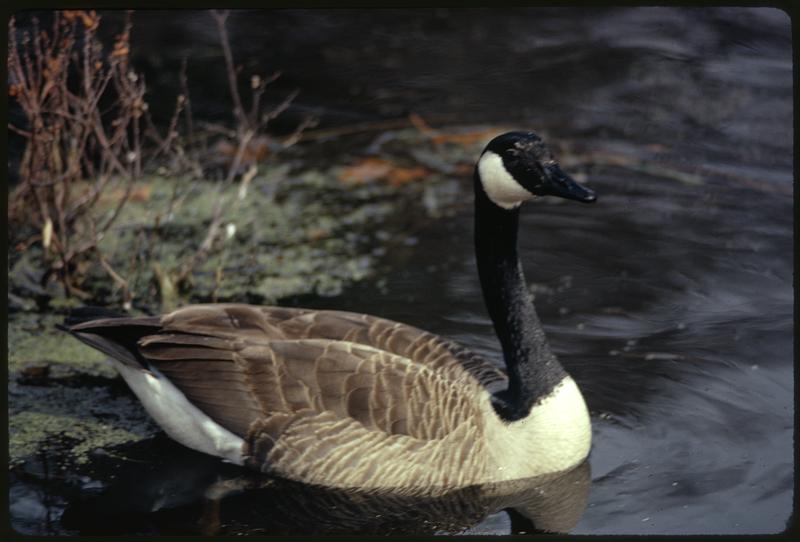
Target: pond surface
{"type": "Point", "coordinates": [672, 308]}
{"type": "Point", "coordinates": [670, 300]}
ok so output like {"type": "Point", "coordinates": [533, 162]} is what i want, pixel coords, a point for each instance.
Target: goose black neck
{"type": "Point", "coordinates": [533, 370]}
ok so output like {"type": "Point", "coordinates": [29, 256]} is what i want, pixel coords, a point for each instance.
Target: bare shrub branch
{"type": "Point", "coordinates": [68, 138]}
{"type": "Point", "coordinates": [89, 136]}
{"type": "Point", "coordinates": [248, 126]}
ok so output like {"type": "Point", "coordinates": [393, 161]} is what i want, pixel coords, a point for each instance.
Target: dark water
{"type": "Point", "coordinates": [674, 314]}
{"type": "Point", "coordinates": [670, 300]}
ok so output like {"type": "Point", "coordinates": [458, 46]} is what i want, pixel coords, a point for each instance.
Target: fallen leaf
{"type": "Point", "coordinates": [256, 151]}
{"type": "Point", "coordinates": [365, 171]}
{"type": "Point", "coordinates": [317, 234]}
{"type": "Point", "coordinates": [419, 123]}
{"type": "Point", "coordinates": [403, 175]}
{"type": "Point", "coordinates": [139, 194]}
{"type": "Point", "coordinates": [34, 374]}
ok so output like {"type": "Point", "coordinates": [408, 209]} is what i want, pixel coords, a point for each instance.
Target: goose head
{"type": "Point", "coordinates": [517, 166]}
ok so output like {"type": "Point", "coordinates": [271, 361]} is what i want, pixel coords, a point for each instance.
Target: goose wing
{"type": "Point", "coordinates": [316, 393]}
{"type": "Point", "coordinates": [240, 361]}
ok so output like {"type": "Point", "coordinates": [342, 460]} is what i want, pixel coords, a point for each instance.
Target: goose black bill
{"type": "Point", "coordinates": [558, 183]}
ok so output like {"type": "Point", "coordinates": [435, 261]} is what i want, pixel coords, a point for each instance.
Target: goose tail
{"type": "Point", "coordinates": [113, 333]}
{"type": "Point", "coordinates": [80, 315]}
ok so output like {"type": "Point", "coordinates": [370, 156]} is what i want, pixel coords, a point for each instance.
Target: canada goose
{"type": "Point", "coordinates": [341, 399]}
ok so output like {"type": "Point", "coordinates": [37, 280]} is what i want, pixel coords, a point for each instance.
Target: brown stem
{"type": "Point", "coordinates": [221, 16]}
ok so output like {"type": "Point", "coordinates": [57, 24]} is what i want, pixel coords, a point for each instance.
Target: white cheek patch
{"type": "Point", "coordinates": [498, 183]}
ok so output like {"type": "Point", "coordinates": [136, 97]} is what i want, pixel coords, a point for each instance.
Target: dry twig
{"type": "Point", "coordinates": [67, 136]}
{"type": "Point", "coordinates": [248, 126]}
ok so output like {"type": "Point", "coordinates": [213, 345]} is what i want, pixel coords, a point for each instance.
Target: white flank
{"type": "Point", "coordinates": [181, 420]}
{"type": "Point", "coordinates": [498, 183]}
{"type": "Point", "coordinates": [555, 436]}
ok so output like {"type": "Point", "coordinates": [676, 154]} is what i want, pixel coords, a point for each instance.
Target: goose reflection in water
{"type": "Point", "coordinates": [187, 493]}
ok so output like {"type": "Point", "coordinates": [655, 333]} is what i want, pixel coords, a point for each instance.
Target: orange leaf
{"type": "Point", "coordinates": [257, 150]}
{"type": "Point", "coordinates": [365, 171]}
{"type": "Point", "coordinates": [141, 194]}
{"type": "Point", "coordinates": [404, 175]}
{"type": "Point", "coordinates": [90, 19]}
{"type": "Point", "coordinates": [420, 124]}
{"type": "Point", "coordinates": [317, 234]}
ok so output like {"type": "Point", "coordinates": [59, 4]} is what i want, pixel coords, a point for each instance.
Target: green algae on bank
{"type": "Point", "coordinates": [72, 419]}
{"type": "Point", "coordinates": [34, 340]}
{"type": "Point", "coordinates": [34, 431]}
{"type": "Point", "coordinates": [76, 403]}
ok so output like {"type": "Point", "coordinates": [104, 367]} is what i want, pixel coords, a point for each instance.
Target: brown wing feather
{"type": "Point", "coordinates": [259, 324]}
{"type": "Point", "coordinates": [441, 355]}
